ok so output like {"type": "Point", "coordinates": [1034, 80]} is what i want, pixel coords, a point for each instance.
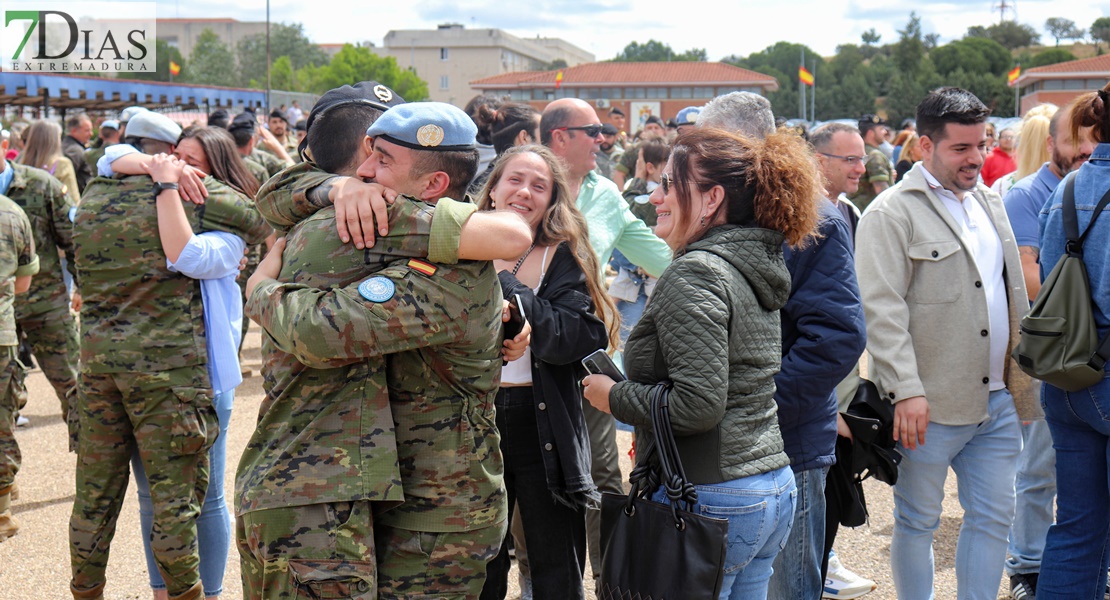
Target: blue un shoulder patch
{"type": "Point", "coordinates": [377, 289]}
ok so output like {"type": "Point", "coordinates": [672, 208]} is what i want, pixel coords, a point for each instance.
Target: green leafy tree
{"type": "Point", "coordinates": [871, 37]}
{"type": "Point", "coordinates": [1100, 30]}
{"type": "Point", "coordinates": [1063, 29]}
{"type": "Point", "coordinates": [1050, 56]}
{"type": "Point", "coordinates": [161, 72]}
{"type": "Point", "coordinates": [909, 52]}
{"type": "Point", "coordinates": [781, 62]}
{"type": "Point", "coordinates": [285, 40]}
{"type": "Point", "coordinates": [1013, 35]}
{"type": "Point", "coordinates": [656, 51]}
{"type": "Point", "coordinates": [211, 62]}
{"type": "Point", "coordinates": [973, 55]}
{"type": "Point", "coordinates": [358, 63]}
{"type": "Point", "coordinates": [282, 76]}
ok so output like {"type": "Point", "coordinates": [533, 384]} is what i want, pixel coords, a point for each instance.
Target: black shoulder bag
{"type": "Point", "coordinates": [660, 551]}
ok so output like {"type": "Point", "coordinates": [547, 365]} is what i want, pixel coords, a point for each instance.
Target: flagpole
{"type": "Point", "coordinates": [813, 95]}
{"type": "Point", "coordinates": [802, 87]}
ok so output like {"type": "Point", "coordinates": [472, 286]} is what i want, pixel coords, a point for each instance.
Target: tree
{"type": "Point", "coordinates": [161, 72]}
{"type": "Point", "coordinates": [211, 62]}
{"type": "Point", "coordinates": [655, 51]}
{"type": "Point", "coordinates": [931, 41]}
{"type": "Point", "coordinates": [1050, 56]}
{"type": "Point", "coordinates": [1063, 29]}
{"type": "Point", "coordinates": [973, 55]}
{"type": "Point", "coordinates": [282, 76]}
{"type": "Point", "coordinates": [1013, 35]}
{"type": "Point", "coordinates": [910, 49]}
{"type": "Point", "coordinates": [285, 40]}
{"type": "Point", "coordinates": [1100, 30]}
{"type": "Point", "coordinates": [871, 37]}
{"type": "Point", "coordinates": [358, 63]}
{"type": "Point", "coordinates": [781, 62]}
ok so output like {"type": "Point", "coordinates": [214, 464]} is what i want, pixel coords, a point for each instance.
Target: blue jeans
{"type": "Point", "coordinates": [985, 458]}
{"type": "Point", "coordinates": [759, 510]}
{"type": "Point", "coordinates": [214, 522]}
{"type": "Point", "coordinates": [798, 567]}
{"type": "Point", "coordinates": [1036, 489]}
{"type": "Point", "coordinates": [1077, 552]}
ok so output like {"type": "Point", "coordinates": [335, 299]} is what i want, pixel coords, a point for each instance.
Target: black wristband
{"type": "Point", "coordinates": [158, 187]}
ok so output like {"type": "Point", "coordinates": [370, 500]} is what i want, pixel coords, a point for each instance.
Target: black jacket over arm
{"type": "Point", "coordinates": [565, 329]}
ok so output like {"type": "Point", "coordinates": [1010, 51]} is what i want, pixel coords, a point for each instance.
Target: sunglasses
{"type": "Point", "coordinates": [666, 181]}
{"type": "Point", "coordinates": [590, 130]}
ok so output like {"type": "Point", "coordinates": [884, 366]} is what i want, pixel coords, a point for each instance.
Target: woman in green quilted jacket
{"type": "Point", "coordinates": [725, 206]}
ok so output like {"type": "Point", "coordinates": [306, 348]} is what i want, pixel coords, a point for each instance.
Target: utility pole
{"type": "Point", "coordinates": [269, 105]}
{"type": "Point", "coordinates": [1002, 7]}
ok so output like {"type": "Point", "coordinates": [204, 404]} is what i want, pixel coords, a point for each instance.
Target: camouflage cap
{"type": "Point", "coordinates": [432, 126]}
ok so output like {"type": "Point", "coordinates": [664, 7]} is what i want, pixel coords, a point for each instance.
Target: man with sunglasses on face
{"type": "Point", "coordinates": [879, 175]}
{"type": "Point", "coordinates": [572, 130]}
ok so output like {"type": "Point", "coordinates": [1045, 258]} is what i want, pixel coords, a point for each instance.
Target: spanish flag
{"type": "Point", "coordinates": [558, 79]}
{"type": "Point", "coordinates": [175, 69]}
{"type": "Point", "coordinates": [1013, 75]}
{"type": "Point", "coordinates": [805, 76]}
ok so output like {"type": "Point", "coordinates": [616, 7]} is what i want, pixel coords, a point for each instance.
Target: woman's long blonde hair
{"type": "Point", "coordinates": [562, 223]}
{"type": "Point", "coordinates": [1032, 151]}
{"type": "Point", "coordinates": [42, 145]}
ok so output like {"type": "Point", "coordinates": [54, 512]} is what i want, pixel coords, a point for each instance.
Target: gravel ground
{"type": "Point", "coordinates": [35, 563]}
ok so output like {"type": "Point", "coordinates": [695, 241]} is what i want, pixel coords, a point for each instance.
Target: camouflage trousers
{"type": "Point", "coordinates": [169, 418]}
{"type": "Point", "coordinates": [13, 396]}
{"type": "Point", "coordinates": [420, 565]}
{"type": "Point", "coordinates": [312, 551]}
{"type": "Point", "coordinates": [53, 339]}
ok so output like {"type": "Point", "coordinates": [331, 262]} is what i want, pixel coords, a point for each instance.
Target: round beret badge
{"type": "Point", "coordinates": [377, 289]}
{"type": "Point", "coordinates": [430, 135]}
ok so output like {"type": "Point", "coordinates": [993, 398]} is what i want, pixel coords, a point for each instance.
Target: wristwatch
{"type": "Point", "coordinates": [158, 187]}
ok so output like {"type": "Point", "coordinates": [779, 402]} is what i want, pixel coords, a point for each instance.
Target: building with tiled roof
{"type": "Point", "coordinates": [1062, 82]}
{"type": "Point", "coordinates": [639, 89]}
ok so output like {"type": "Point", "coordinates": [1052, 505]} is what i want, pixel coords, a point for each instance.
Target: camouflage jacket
{"type": "Point", "coordinates": [138, 316]}
{"type": "Point", "coordinates": [256, 169]}
{"type": "Point", "coordinates": [878, 171]}
{"type": "Point", "coordinates": [43, 198]}
{"type": "Point", "coordinates": [439, 329]}
{"type": "Point", "coordinates": [270, 162]}
{"type": "Point", "coordinates": [17, 259]}
{"type": "Point", "coordinates": [325, 432]}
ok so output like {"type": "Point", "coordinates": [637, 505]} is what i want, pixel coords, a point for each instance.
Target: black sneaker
{"type": "Point", "coordinates": [1023, 586]}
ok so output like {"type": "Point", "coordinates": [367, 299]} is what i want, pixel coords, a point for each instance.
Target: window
{"type": "Point", "coordinates": [444, 82]}
{"type": "Point", "coordinates": [682, 92]}
{"type": "Point", "coordinates": [443, 53]}
{"type": "Point", "coordinates": [1054, 84]}
{"type": "Point", "coordinates": [590, 94]}
{"type": "Point", "coordinates": [635, 93]}
{"type": "Point", "coordinates": [1095, 84]}
{"type": "Point", "coordinates": [703, 92]}
{"type": "Point", "coordinates": [1074, 84]}
{"type": "Point", "coordinates": [611, 93]}
{"type": "Point", "coordinates": [656, 92]}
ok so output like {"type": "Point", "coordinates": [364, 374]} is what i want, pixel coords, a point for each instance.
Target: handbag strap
{"type": "Point", "coordinates": [678, 487]}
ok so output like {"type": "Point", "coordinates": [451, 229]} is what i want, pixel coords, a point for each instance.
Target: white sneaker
{"type": "Point", "coordinates": [842, 583]}
{"type": "Point", "coordinates": [22, 421]}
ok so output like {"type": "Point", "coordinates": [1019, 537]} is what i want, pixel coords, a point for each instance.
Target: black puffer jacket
{"type": "Point", "coordinates": [712, 328]}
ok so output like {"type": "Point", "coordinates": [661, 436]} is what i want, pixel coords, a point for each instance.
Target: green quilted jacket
{"type": "Point", "coordinates": [712, 329]}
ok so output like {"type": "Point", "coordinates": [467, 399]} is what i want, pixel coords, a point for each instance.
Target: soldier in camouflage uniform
{"type": "Point", "coordinates": [43, 313]}
{"type": "Point", "coordinates": [18, 262]}
{"type": "Point", "coordinates": [143, 381]}
{"type": "Point", "coordinates": [440, 326]}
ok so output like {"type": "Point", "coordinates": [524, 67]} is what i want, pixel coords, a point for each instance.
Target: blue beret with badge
{"type": "Point", "coordinates": [688, 115]}
{"type": "Point", "coordinates": [430, 126]}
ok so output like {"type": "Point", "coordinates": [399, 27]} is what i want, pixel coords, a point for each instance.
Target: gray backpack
{"type": "Point", "coordinates": [1059, 341]}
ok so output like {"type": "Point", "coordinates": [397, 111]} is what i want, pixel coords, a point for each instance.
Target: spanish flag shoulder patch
{"type": "Point", "coordinates": [423, 267]}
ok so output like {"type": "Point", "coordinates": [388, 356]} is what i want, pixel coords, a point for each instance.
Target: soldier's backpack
{"type": "Point", "coordinates": [1059, 341]}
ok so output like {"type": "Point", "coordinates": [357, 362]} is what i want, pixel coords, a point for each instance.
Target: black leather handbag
{"type": "Point", "coordinates": [653, 551]}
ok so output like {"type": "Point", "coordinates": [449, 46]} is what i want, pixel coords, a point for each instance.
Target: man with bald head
{"type": "Point", "coordinates": [572, 130]}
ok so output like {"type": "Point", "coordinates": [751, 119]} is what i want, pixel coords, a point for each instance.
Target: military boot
{"type": "Point", "coordinates": [194, 593]}
{"type": "Point", "coordinates": [96, 593]}
{"type": "Point", "coordinates": [8, 525]}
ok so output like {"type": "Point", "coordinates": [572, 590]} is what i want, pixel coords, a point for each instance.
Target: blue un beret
{"type": "Point", "coordinates": [688, 115]}
{"type": "Point", "coordinates": [432, 126]}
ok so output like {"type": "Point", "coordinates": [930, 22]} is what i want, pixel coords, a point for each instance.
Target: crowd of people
{"type": "Point", "coordinates": [432, 279]}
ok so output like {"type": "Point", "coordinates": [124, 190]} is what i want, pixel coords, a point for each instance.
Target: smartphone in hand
{"type": "Point", "coordinates": [517, 318]}
{"type": "Point", "coordinates": [599, 363]}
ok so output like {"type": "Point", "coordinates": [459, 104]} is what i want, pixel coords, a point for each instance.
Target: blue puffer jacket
{"type": "Point", "coordinates": [823, 336]}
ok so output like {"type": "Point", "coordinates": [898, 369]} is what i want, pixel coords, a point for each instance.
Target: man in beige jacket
{"type": "Point", "coordinates": [943, 293]}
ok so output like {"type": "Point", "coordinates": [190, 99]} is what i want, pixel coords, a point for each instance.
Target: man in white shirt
{"type": "Point", "coordinates": [943, 293]}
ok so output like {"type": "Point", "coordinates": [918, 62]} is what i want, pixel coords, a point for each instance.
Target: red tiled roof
{"type": "Point", "coordinates": [1095, 64]}
{"type": "Point", "coordinates": [622, 73]}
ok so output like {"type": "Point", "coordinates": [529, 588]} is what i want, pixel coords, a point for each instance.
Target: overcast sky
{"type": "Point", "coordinates": [604, 27]}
